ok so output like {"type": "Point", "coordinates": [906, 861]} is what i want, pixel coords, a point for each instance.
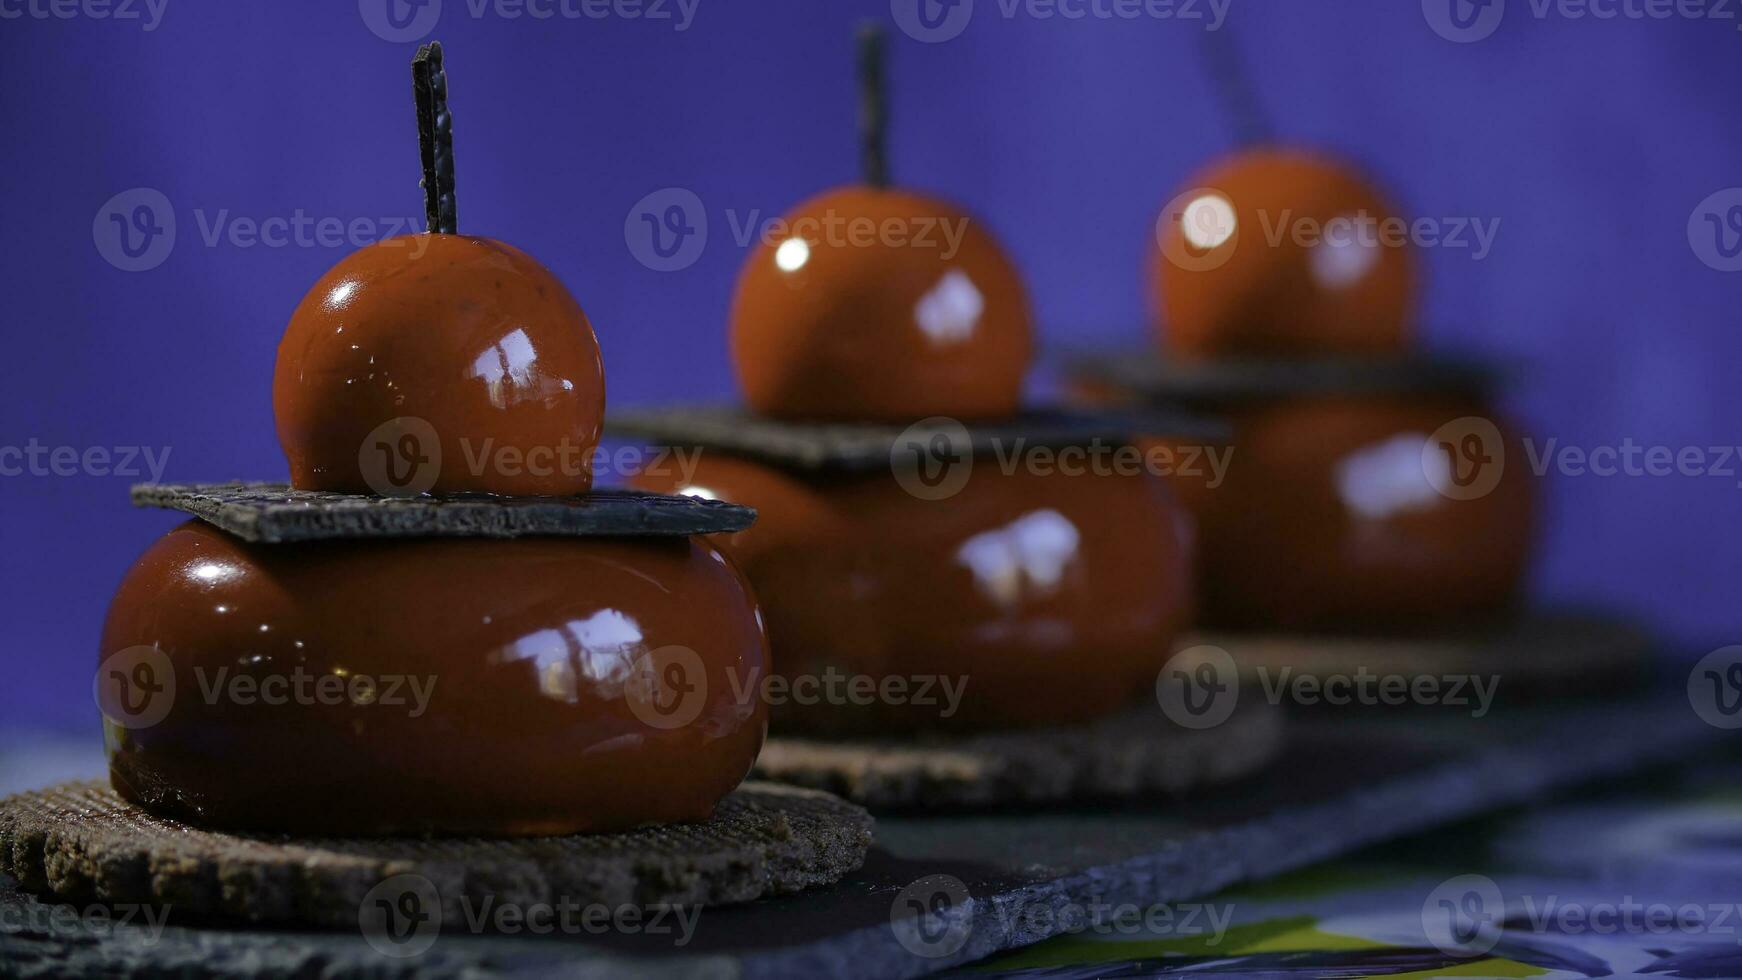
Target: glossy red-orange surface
{"type": "Point", "coordinates": [528, 654]}
{"type": "Point", "coordinates": [1278, 252]}
{"type": "Point", "coordinates": [1329, 517]}
{"type": "Point", "coordinates": [880, 305]}
{"type": "Point", "coordinates": [1050, 598]}
{"type": "Point", "coordinates": [472, 339]}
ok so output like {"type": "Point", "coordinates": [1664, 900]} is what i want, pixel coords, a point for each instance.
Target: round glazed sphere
{"type": "Point", "coordinates": [1352, 512]}
{"type": "Point", "coordinates": [880, 305]}
{"type": "Point", "coordinates": [1278, 252]}
{"type": "Point", "coordinates": [448, 686]}
{"type": "Point", "coordinates": [439, 364]}
{"type": "Point", "coordinates": [1039, 599]}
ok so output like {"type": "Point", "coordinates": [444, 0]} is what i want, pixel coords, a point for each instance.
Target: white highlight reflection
{"type": "Point", "coordinates": [949, 313]}
{"type": "Point", "coordinates": [1391, 477]}
{"type": "Point", "coordinates": [1208, 221]}
{"type": "Point", "coordinates": [1030, 554]}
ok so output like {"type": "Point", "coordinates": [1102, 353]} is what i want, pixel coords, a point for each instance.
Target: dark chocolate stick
{"type": "Point", "coordinates": [435, 138]}
{"type": "Point", "coordinates": [873, 107]}
{"type": "Point", "coordinates": [1233, 84]}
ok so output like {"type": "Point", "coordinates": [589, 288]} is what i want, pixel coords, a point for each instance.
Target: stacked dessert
{"type": "Point", "coordinates": [1367, 486]}
{"type": "Point", "coordinates": [905, 534]}
{"type": "Point", "coordinates": [540, 662]}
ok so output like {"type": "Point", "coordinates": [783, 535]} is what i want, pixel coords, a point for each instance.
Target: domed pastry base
{"type": "Point", "coordinates": [82, 842]}
{"type": "Point", "coordinates": [273, 513]}
{"type": "Point", "coordinates": [865, 446]}
{"type": "Point", "coordinates": [1553, 654]}
{"type": "Point", "coordinates": [1224, 381]}
{"type": "Point", "coordinates": [1138, 753]}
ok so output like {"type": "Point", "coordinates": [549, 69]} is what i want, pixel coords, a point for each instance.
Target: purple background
{"type": "Point", "coordinates": [1592, 141]}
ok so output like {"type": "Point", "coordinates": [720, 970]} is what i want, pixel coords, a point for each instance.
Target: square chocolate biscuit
{"type": "Point", "coordinates": [1222, 381]}
{"type": "Point", "coordinates": [866, 446]}
{"type": "Point", "coordinates": [273, 513]}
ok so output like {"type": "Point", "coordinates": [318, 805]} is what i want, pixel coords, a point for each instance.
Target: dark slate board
{"type": "Point", "coordinates": [1548, 653]}
{"type": "Point", "coordinates": [1347, 781]}
{"type": "Point", "coordinates": [273, 513]}
{"type": "Point", "coordinates": [862, 447]}
{"type": "Point", "coordinates": [1223, 381]}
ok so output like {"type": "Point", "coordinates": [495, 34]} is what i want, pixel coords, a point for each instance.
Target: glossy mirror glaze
{"type": "Point", "coordinates": [528, 729]}
{"type": "Point", "coordinates": [470, 335]}
{"type": "Point", "coordinates": [1233, 278]}
{"type": "Point", "coordinates": [1327, 520]}
{"type": "Point", "coordinates": [880, 305]}
{"type": "Point", "coordinates": [1056, 597]}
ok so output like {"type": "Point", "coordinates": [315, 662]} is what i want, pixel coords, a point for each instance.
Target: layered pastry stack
{"type": "Point", "coordinates": [439, 629]}
{"type": "Point", "coordinates": [918, 531]}
{"type": "Point", "coordinates": [1368, 488]}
